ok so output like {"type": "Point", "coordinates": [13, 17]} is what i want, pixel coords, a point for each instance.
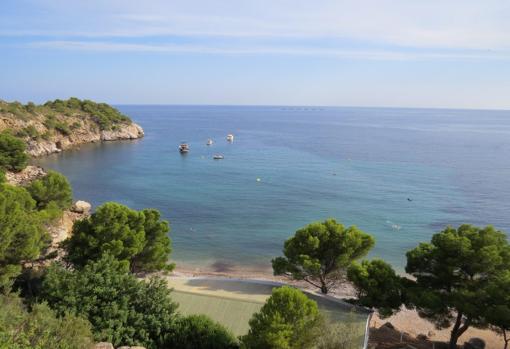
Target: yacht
{"type": "Point", "coordinates": [209, 142]}
{"type": "Point", "coordinates": [230, 137]}
{"type": "Point", "coordinates": [184, 148]}
{"type": "Point", "coordinates": [218, 157]}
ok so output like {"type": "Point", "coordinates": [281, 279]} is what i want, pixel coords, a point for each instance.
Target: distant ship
{"type": "Point", "coordinates": [209, 142]}
{"type": "Point", "coordinates": [230, 137]}
{"type": "Point", "coordinates": [184, 148]}
{"type": "Point", "coordinates": [218, 157]}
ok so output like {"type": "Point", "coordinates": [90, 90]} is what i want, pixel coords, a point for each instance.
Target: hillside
{"type": "Point", "coordinates": [61, 124]}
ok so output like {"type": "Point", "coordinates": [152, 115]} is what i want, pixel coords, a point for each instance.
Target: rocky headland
{"type": "Point", "coordinates": [62, 124]}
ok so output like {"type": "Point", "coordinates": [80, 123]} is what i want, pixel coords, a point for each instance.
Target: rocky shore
{"type": "Point", "coordinates": [61, 142]}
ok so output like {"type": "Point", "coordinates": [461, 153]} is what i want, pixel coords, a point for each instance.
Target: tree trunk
{"type": "Point", "coordinates": [454, 337]}
{"type": "Point", "coordinates": [505, 339]}
{"type": "Point", "coordinates": [324, 287]}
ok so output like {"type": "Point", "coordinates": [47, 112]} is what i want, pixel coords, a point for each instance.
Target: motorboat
{"type": "Point", "coordinates": [209, 142]}
{"type": "Point", "coordinates": [230, 137]}
{"type": "Point", "coordinates": [184, 148]}
{"type": "Point", "coordinates": [218, 157]}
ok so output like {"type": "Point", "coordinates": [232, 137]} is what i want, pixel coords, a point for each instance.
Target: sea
{"type": "Point", "coordinates": [399, 174]}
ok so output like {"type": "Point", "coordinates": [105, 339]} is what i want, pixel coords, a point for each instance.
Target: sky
{"type": "Point", "coordinates": [401, 53]}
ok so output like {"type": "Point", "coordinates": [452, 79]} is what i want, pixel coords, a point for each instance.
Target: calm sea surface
{"type": "Point", "coordinates": [399, 174]}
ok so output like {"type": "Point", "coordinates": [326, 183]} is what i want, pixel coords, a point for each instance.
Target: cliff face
{"type": "Point", "coordinates": [60, 125]}
{"type": "Point", "coordinates": [60, 142]}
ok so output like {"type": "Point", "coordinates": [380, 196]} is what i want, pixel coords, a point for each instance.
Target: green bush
{"type": "Point", "coordinates": [199, 331]}
{"type": "Point", "coordinates": [39, 328]}
{"type": "Point", "coordinates": [137, 238]}
{"type": "Point", "coordinates": [288, 319]}
{"type": "Point", "coordinates": [121, 309]}
{"type": "Point", "coordinates": [52, 188]}
{"type": "Point", "coordinates": [12, 153]}
{"type": "Point", "coordinates": [22, 237]}
{"type": "Point", "coordinates": [29, 131]}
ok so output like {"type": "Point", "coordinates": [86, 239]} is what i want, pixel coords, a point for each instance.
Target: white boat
{"type": "Point", "coordinates": [184, 148]}
{"type": "Point", "coordinates": [230, 137]}
{"type": "Point", "coordinates": [218, 157]}
{"type": "Point", "coordinates": [209, 142]}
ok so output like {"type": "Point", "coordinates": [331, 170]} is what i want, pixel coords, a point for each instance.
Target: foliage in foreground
{"type": "Point", "coordinates": [457, 280]}
{"type": "Point", "coordinates": [320, 252]}
{"type": "Point", "coordinates": [121, 309]}
{"type": "Point", "coordinates": [40, 328]}
{"type": "Point", "coordinates": [288, 319]}
{"type": "Point", "coordinates": [12, 153]}
{"type": "Point", "coordinates": [199, 331]}
{"type": "Point", "coordinates": [341, 335]}
{"type": "Point", "coordinates": [22, 237]}
{"type": "Point", "coordinates": [52, 188]}
{"type": "Point", "coordinates": [377, 285]}
{"type": "Point", "coordinates": [137, 238]}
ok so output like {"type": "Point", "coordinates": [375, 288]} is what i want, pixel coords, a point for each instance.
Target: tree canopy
{"type": "Point", "coordinates": [12, 153]}
{"type": "Point", "coordinates": [288, 319]}
{"type": "Point", "coordinates": [377, 286]}
{"type": "Point", "coordinates": [199, 331]}
{"type": "Point", "coordinates": [137, 238]}
{"type": "Point", "coordinates": [497, 305]}
{"type": "Point", "coordinates": [320, 252]}
{"type": "Point", "coordinates": [40, 328]}
{"type": "Point", "coordinates": [452, 274]}
{"type": "Point", "coordinates": [52, 188]}
{"type": "Point", "coordinates": [121, 309]}
{"type": "Point", "coordinates": [22, 236]}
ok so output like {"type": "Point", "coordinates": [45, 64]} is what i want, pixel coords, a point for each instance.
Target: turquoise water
{"type": "Point", "coordinates": [358, 165]}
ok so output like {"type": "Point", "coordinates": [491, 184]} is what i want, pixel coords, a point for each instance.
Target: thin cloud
{"type": "Point", "coordinates": [104, 46]}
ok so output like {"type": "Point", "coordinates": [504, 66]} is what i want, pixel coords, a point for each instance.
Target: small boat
{"type": "Point", "coordinates": [184, 148]}
{"type": "Point", "coordinates": [209, 142]}
{"type": "Point", "coordinates": [230, 137]}
{"type": "Point", "coordinates": [218, 157]}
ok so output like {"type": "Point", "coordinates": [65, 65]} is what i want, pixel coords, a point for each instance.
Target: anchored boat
{"type": "Point", "coordinates": [184, 148]}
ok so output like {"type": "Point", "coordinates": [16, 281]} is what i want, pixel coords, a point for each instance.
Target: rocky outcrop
{"type": "Point", "coordinates": [78, 137]}
{"type": "Point", "coordinates": [82, 207]}
{"type": "Point", "coordinates": [132, 131]}
{"type": "Point", "coordinates": [29, 174]}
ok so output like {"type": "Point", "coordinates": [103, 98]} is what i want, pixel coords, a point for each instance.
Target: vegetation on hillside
{"type": "Point", "coordinates": [52, 189]}
{"type": "Point", "coordinates": [12, 153]}
{"type": "Point", "coordinates": [39, 328]}
{"type": "Point", "coordinates": [122, 309]}
{"type": "Point", "coordinates": [56, 114]}
{"type": "Point", "coordinates": [22, 236]}
{"type": "Point", "coordinates": [137, 238]}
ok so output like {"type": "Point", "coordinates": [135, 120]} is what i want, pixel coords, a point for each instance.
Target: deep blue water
{"type": "Point", "coordinates": [358, 165]}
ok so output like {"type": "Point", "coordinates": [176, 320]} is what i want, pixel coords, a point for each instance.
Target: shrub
{"type": "Point", "coordinates": [29, 131]}
{"type": "Point", "coordinates": [136, 238]}
{"type": "Point", "coordinates": [52, 188]}
{"type": "Point", "coordinates": [121, 309]}
{"type": "Point", "coordinates": [12, 153]}
{"type": "Point", "coordinates": [199, 331]}
{"type": "Point", "coordinates": [288, 319]}
{"type": "Point", "coordinates": [22, 237]}
{"type": "Point", "coordinates": [40, 328]}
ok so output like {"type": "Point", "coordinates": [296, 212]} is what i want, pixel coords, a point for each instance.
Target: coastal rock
{"type": "Point", "coordinates": [103, 345]}
{"type": "Point", "coordinates": [89, 134]}
{"type": "Point", "coordinates": [28, 175]}
{"type": "Point", "coordinates": [132, 131]}
{"type": "Point", "coordinates": [81, 207]}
